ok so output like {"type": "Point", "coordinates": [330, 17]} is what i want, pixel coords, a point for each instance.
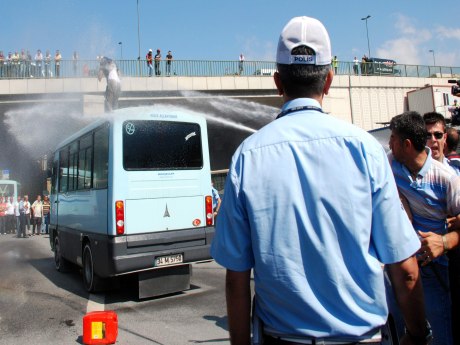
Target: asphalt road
{"type": "Point", "coordinates": [39, 305]}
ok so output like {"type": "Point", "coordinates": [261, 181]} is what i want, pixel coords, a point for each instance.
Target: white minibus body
{"type": "Point", "coordinates": [132, 192]}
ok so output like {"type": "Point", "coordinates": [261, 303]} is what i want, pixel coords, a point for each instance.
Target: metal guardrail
{"type": "Point", "coordinates": [203, 68]}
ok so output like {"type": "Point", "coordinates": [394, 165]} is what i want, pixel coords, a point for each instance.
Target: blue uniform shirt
{"type": "Point", "coordinates": [311, 204]}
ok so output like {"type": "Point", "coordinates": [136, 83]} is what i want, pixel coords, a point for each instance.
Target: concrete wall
{"type": "Point", "coordinates": [367, 100]}
{"type": "Point", "coordinates": [131, 84]}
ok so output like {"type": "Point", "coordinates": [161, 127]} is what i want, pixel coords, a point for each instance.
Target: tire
{"type": "Point", "coordinates": [90, 279]}
{"type": "Point", "coordinates": [61, 264]}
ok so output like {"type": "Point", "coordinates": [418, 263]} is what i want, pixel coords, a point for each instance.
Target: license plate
{"type": "Point", "coordinates": [169, 260]}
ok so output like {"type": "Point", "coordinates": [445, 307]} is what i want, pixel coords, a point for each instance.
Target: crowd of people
{"type": "Point", "coordinates": [23, 65]}
{"type": "Point", "coordinates": [26, 65]}
{"type": "Point", "coordinates": [365, 66]}
{"type": "Point", "coordinates": [155, 60]}
{"type": "Point", "coordinates": [23, 218]}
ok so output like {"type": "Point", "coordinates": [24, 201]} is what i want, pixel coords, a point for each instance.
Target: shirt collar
{"type": "Point", "coordinates": [299, 102]}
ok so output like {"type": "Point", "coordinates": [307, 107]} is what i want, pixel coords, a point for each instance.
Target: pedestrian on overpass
{"type": "Point", "coordinates": [311, 206]}
{"type": "Point", "coordinates": [57, 64]}
{"type": "Point", "coordinates": [157, 59]}
{"type": "Point", "coordinates": [241, 64]}
{"type": "Point", "coordinates": [335, 64]}
{"type": "Point", "coordinates": [149, 59]}
{"type": "Point", "coordinates": [356, 65]}
{"type": "Point", "coordinates": [169, 59]}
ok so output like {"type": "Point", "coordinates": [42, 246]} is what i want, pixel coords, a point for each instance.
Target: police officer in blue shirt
{"type": "Point", "coordinates": [311, 206]}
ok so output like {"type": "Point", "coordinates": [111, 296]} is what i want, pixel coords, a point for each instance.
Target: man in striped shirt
{"type": "Point", "coordinates": [433, 193]}
{"type": "Point", "coordinates": [443, 143]}
{"type": "Point", "coordinates": [46, 212]}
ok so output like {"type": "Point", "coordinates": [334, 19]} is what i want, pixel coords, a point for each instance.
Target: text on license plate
{"type": "Point", "coordinates": [169, 260]}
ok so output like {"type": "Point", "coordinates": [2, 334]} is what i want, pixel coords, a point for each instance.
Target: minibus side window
{"type": "Point", "coordinates": [101, 158]}
{"type": "Point", "coordinates": [54, 174]}
{"type": "Point", "coordinates": [84, 162]}
{"type": "Point", "coordinates": [63, 169]}
{"type": "Point", "coordinates": [73, 166]}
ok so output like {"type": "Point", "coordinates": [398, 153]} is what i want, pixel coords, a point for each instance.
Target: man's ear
{"type": "Point", "coordinates": [327, 85]}
{"type": "Point", "coordinates": [407, 144]}
{"type": "Point", "coordinates": [278, 83]}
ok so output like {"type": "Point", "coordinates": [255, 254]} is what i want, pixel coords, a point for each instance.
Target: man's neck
{"type": "Point", "coordinates": [440, 159]}
{"type": "Point", "coordinates": [416, 164]}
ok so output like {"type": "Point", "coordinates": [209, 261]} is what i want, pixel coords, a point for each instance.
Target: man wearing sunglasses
{"type": "Point", "coordinates": [435, 125]}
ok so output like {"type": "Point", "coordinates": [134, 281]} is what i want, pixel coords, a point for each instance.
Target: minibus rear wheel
{"type": "Point", "coordinates": [61, 264]}
{"type": "Point", "coordinates": [90, 279]}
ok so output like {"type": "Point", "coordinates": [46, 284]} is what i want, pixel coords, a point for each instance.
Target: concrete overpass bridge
{"type": "Point", "coordinates": [362, 100]}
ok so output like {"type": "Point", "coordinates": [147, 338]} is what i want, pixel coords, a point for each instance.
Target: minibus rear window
{"type": "Point", "coordinates": [161, 145]}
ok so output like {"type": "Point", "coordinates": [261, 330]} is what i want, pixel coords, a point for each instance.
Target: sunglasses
{"type": "Point", "coordinates": [437, 135]}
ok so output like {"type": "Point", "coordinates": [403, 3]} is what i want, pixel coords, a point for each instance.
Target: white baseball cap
{"type": "Point", "coordinates": [304, 31]}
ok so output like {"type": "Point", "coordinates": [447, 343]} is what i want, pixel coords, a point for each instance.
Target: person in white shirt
{"type": "Point", "coordinates": [38, 63]}
{"type": "Point", "coordinates": [240, 64]}
{"type": "Point", "coordinates": [10, 220]}
{"type": "Point", "coordinates": [108, 69]}
{"type": "Point", "coordinates": [37, 208]}
{"type": "Point", "coordinates": [355, 65]}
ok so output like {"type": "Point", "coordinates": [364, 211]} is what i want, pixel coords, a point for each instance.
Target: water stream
{"type": "Point", "coordinates": [35, 130]}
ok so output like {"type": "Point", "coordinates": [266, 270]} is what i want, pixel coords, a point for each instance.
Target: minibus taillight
{"type": "Point", "coordinates": [209, 213]}
{"type": "Point", "coordinates": [120, 217]}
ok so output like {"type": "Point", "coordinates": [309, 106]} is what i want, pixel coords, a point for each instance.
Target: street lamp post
{"type": "Point", "coordinates": [434, 60]}
{"type": "Point", "coordinates": [367, 33]}
{"type": "Point", "coordinates": [121, 50]}
{"type": "Point", "coordinates": [138, 40]}
{"type": "Point", "coordinates": [138, 33]}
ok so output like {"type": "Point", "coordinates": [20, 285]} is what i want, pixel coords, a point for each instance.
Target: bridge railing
{"type": "Point", "coordinates": [204, 68]}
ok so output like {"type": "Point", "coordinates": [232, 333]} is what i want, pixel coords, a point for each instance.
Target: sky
{"type": "Point", "coordinates": [404, 30]}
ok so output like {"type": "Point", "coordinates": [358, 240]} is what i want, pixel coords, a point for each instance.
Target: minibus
{"type": "Point", "coordinates": [131, 192]}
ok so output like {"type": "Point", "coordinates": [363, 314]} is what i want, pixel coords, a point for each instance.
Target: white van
{"type": "Point", "coordinates": [132, 193]}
